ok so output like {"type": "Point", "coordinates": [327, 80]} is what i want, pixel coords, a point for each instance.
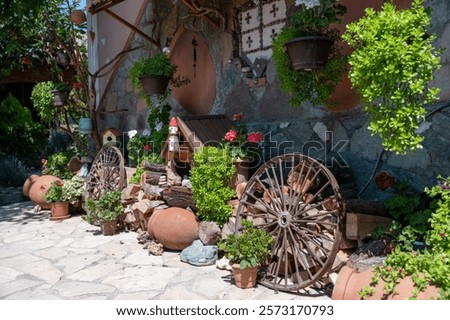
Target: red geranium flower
{"type": "Point", "coordinates": [231, 135]}
{"type": "Point", "coordinates": [147, 147]}
{"type": "Point", "coordinates": [254, 137]}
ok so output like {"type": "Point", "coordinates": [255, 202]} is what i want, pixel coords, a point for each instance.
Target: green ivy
{"type": "Point", "coordinates": [210, 177]}
{"type": "Point", "coordinates": [391, 66]}
{"type": "Point", "coordinates": [57, 165]}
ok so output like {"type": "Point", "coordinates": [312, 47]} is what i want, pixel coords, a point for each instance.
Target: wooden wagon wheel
{"type": "Point", "coordinates": [107, 172]}
{"type": "Point", "coordinates": [297, 200]}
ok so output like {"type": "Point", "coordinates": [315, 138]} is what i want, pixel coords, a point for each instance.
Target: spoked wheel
{"type": "Point", "coordinates": [107, 172]}
{"type": "Point", "coordinates": [297, 200]}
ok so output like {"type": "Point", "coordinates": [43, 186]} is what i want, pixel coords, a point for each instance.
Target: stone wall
{"type": "Point", "coordinates": [349, 145]}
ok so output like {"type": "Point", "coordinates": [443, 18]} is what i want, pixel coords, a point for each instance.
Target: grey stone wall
{"type": "Point", "coordinates": [349, 146]}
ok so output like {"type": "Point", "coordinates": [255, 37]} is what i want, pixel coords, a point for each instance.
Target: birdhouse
{"type": "Point", "coordinates": [109, 136]}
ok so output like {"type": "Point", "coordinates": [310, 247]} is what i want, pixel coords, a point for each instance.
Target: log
{"type": "Point", "coordinates": [179, 197]}
{"type": "Point", "coordinates": [152, 177]}
{"type": "Point", "coordinates": [360, 225]}
{"type": "Point", "coordinates": [156, 167]}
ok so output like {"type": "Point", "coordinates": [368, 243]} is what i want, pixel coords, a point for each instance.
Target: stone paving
{"type": "Point", "coordinates": [42, 259]}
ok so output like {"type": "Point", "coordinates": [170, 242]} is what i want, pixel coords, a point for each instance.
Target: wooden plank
{"type": "Point", "coordinates": [360, 225]}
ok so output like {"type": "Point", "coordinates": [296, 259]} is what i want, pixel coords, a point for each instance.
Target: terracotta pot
{"type": "Point", "coordinates": [59, 211]}
{"type": "Point", "coordinates": [38, 189]}
{"type": "Point", "coordinates": [244, 278]}
{"type": "Point", "coordinates": [350, 282]}
{"type": "Point", "coordinates": [154, 84]}
{"type": "Point", "coordinates": [77, 17]}
{"type": "Point", "coordinates": [108, 227]}
{"type": "Point", "coordinates": [174, 228]}
{"type": "Point", "coordinates": [27, 184]}
{"type": "Point", "coordinates": [309, 53]}
{"type": "Point", "coordinates": [241, 174]}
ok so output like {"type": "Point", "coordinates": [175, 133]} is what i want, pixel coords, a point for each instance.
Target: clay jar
{"type": "Point", "coordinates": [36, 187]}
{"type": "Point", "coordinates": [350, 282]}
{"type": "Point", "coordinates": [175, 228]}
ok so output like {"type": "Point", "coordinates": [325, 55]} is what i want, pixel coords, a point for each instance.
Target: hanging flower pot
{"type": "Point", "coordinates": [59, 97]}
{"type": "Point", "coordinates": [309, 53]}
{"type": "Point", "coordinates": [62, 58]}
{"type": "Point", "coordinates": [154, 84]}
{"type": "Point", "coordinates": [77, 17]}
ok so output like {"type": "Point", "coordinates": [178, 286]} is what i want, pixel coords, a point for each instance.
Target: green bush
{"type": "Point", "coordinates": [20, 136]}
{"type": "Point", "coordinates": [57, 165]}
{"type": "Point", "coordinates": [391, 66]}
{"type": "Point", "coordinates": [210, 178]}
{"type": "Point", "coordinates": [109, 207]}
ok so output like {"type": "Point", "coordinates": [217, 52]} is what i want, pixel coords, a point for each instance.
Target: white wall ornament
{"type": "Point", "coordinates": [259, 22]}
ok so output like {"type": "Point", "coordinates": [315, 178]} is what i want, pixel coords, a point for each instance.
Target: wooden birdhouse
{"type": "Point", "coordinates": [188, 134]}
{"type": "Point", "coordinates": [110, 136]}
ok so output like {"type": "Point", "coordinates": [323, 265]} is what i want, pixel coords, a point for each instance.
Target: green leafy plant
{"type": "Point", "coordinates": [391, 66]}
{"type": "Point", "coordinates": [248, 248]}
{"type": "Point", "coordinates": [107, 208]}
{"type": "Point", "coordinates": [66, 190]}
{"type": "Point", "coordinates": [314, 86]}
{"type": "Point", "coordinates": [430, 266]}
{"type": "Point", "coordinates": [20, 135]}
{"type": "Point", "coordinates": [56, 165]}
{"type": "Point", "coordinates": [157, 65]}
{"type": "Point", "coordinates": [210, 177]}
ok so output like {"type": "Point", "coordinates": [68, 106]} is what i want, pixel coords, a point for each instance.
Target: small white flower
{"type": "Point", "coordinates": [159, 126]}
{"type": "Point", "coordinates": [132, 133]}
{"type": "Point", "coordinates": [146, 132]}
{"type": "Point", "coordinates": [165, 50]}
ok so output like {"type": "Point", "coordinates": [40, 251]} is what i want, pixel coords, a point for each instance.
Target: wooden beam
{"type": "Point", "coordinates": [201, 13]}
{"type": "Point", "coordinates": [132, 27]}
{"type": "Point", "coordinates": [98, 6]}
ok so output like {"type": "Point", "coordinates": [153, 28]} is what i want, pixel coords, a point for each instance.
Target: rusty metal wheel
{"type": "Point", "coordinates": [297, 200]}
{"type": "Point", "coordinates": [107, 172]}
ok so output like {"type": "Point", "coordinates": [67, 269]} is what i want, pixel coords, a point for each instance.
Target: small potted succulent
{"type": "Point", "coordinates": [151, 75]}
{"type": "Point", "coordinates": [306, 52]}
{"type": "Point", "coordinates": [106, 211]}
{"type": "Point", "coordinates": [247, 250]}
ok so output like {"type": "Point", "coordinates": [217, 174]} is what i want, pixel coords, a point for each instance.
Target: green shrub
{"type": "Point", "coordinates": [13, 172]}
{"type": "Point", "coordinates": [109, 207]}
{"type": "Point", "coordinates": [20, 136]}
{"type": "Point", "coordinates": [57, 165]}
{"type": "Point", "coordinates": [391, 67]}
{"type": "Point", "coordinates": [210, 178]}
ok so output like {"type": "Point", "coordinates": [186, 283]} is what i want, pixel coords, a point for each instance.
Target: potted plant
{"type": "Point", "coordinates": [60, 93]}
{"type": "Point", "coordinates": [392, 64]}
{"type": "Point", "coordinates": [151, 75]}
{"type": "Point", "coordinates": [247, 250]}
{"type": "Point", "coordinates": [306, 52]}
{"type": "Point", "coordinates": [106, 210]}
{"type": "Point", "coordinates": [59, 203]}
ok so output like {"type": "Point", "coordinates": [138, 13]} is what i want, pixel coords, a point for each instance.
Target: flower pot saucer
{"type": "Point", "coordinates": [60, 218]}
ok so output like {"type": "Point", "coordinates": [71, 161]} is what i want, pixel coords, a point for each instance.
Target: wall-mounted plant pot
{"type": "Point", "coordinates": [154, 85]}
{"type": "Point", "coordinates": [59, 97]}
{"type": "Point", "coordinates": [309, 53]}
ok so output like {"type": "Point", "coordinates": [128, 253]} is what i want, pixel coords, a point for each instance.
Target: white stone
{"type": "Point", "coordinates": [76, 263]}
{"type": "Point", "coordinates": [141, 279]}
{"type": "Point", "coordinates": [51, 253]}
{"type": "Point", "coordinates": [42, 269]}
{"type": "Point", "coordinates": [15, 286]}
{"type": "Point", "coordinates": [19, 260]}
{"type": "Point", "coordinates": [98, 271]}
{"type": "Point", "coordinates": [74, 289]}
{"type": "Point", "coordinates": [142, 258]}
{"type": "Point", "coordinates": [8, 274]}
